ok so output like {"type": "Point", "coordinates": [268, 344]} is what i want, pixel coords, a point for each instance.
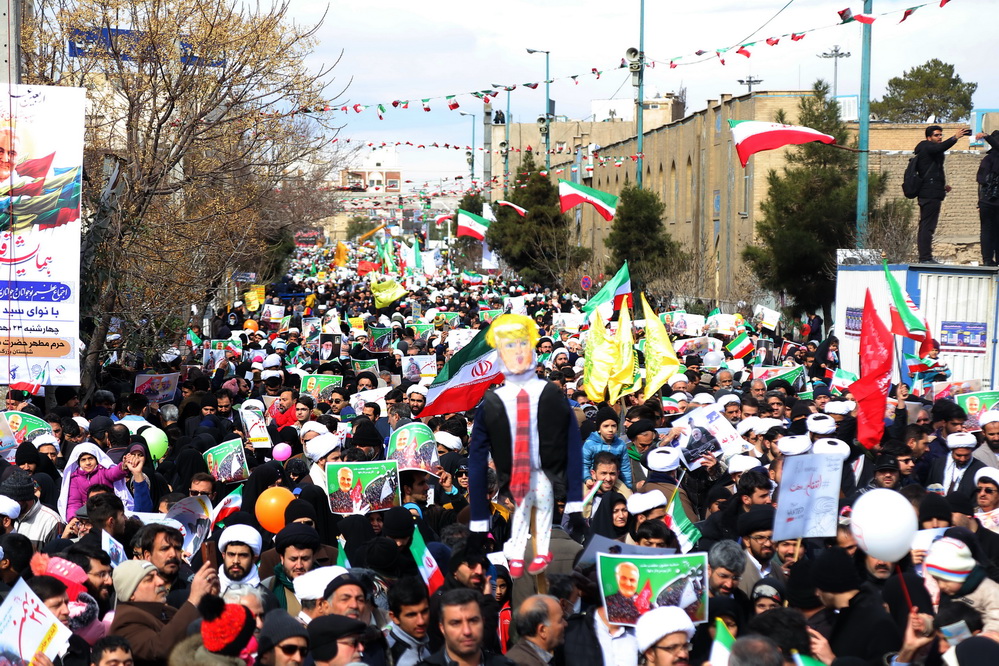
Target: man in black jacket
{"type": "Point", "coordinates": [929, 165]}
{"type": "Point", "coordinates": [988, 198]}
{"type": "Point", "coordinates": [462, 624]}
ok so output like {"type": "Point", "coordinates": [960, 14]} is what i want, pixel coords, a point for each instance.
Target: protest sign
{"type": "Point", "coordinates": [329, 346]}
{"type": "Point", "coordinates": [989, 519]}
{"type": "Point", "coordinates": [320, 387]}
{"type": "Point", "coordinates": [381, 338]}
{"type": "Point", "coordinates": [632, 585]}
{"type": "Point", "coordinates": [809, 497]}
{"type": "Point", "coordinates": [515, 305]}
{"type": "Point", "coordinates": [697, 346]}
{"type": "Point", "coordinates": [568, 321]}
{"type": "Point", "coordinates": [459, 337]}
{"type": "Point", "coordinates": [113, 548]}
{"type": "Point", "coordinates": [602, 544]}
{"type": "Point", "coordinates": [362, 487]}
{"type": "Point", "coordinates": [272, 313]}
{"type": "Point", "coordinates": [975, 404]}
{"type": "Point", "coordinates": [955, 388]}
{"type": "Point", "coordinates": [312, 327]}
{"type": "Point", "coordinates": [211, 359]}
{"type": "Point", "coordinates": [413, 446]}
{"type": "Point", "coordinates": [234, 346]}
{"type": "Point", "coordinates": [157, 388]}
{"type": "Point", "coordinates": [414, 368]}
{"type": "Point", "coordinates": [451, 318]}
{"type": "Point", "coordinates": [227, 461]}
{"type": "Point", "coordinates": [255, 428]}
{"type": "Point", "coordinates": [714, 423]}
{"type": "Point", "coordinates": [364, 365]}
{"type": "Point", "coordinates": [721, 324]}
{"type": "Point", "coordinates": [29, 628]}
{"type": "Point", "coordinates": [487, 316]}
{"type": "Point", "coordinates": [422, 331]}
{"type": "Point", "coordinates": [795, 376]}
{"type": "Point", "coordinates": [766, 318]}
{"type": "Point", "coordinates": [17, 427]}
{"type": "Point", "coordinates": [194, 514]}
{"type": "Point", "coordinates": [684, 324]}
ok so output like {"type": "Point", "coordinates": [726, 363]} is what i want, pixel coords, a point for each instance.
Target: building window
{"type": "Point", "coordinates": [560, 146]}
{"type": "Point", "coordinates": [393, 184]}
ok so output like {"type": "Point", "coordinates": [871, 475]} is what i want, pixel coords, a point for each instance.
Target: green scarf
{"type": "Point", "coordinates": [972, 582]}
{"type": "Point", "coordinates": [281, 576]}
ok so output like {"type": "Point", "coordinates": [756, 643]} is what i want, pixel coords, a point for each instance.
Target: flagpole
{"type": "Point", "coordinates": [675, 490]}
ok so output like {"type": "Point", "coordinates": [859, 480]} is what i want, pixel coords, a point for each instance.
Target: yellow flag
{"type": "Point", "coordinates": [661, 362]}
{"type": "Point", "coordinates": [250, 301]}
{"type": "Point", "coordinates": [599, 360]}
{"type": "Point", "coordinates": [340, 256]}
{"type": "Point", "coordinates": [386, 293]}
{"type": "Point", "coordinates": [622, 380]}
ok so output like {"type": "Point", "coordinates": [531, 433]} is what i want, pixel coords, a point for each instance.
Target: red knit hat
{"type": "Point", "coordinates": [225, 628]}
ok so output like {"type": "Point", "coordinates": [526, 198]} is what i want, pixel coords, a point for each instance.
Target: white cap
{"type": "Point", "coordinates": [678, 377]}
{"type": "Point", "coordinates": [241, 534]}
{"type": "Point", "coordinates": [794, 445]}
{"type": "Point", "coordinates": [449, 441]}
{"type": "Point", "coordinates": [820, 424]}
{"type": "Point", "coordinates": [663, 459]}
{"type": "Point", "coordinates": [702, 399]}
{"type": "Point", "coordinates": [44, 439]}
{"type": "Point", "coordinates": [311, 585]}
{"type": "Point", "coordinates": [267, 374]}
{"type": "Point", "coordinates": [764, 426]}
{"type": "Point", "coordinates": [991, 416]}
{"type": "Point", "coordinates": [747, 424]}
{"type": "Point", "coordinates": [416, 388]}
{"type": "Point", "coordinates": [728, 398]}
{"type": "Point", "coordinates": [961, 440]}
{"type": "Point", "coordinates": [740, 463]}
{"type": "Point", "coordinates": [279, 344]}
{"type": "Point", "coordinates": [9, 508]}
{"type": "Point", "coordinates": [832, 446]}
{"type": "Point", "coordinates": [990, 474]}
{"type": "Point", "coordinates": [840, 407]}
{"type": "Point", "coordinates": [272, 361]}
{"type": "Point", "coordinates": [83, 423]}
{"type": "Point", "coordinates": [357, 333]}
{"type": "Point", "coordinates": [660, 622]}
{"type": "Point", "coordinates": [642, 502]}
{"type": "Point", "coordinates": [313, 426]}
{"type": "Point", "coordinates": [252, 403]}
{"type": "Point", "coordinates": [320, 447]}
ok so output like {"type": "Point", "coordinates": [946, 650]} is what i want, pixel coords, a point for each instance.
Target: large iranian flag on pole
{"type": "Point", "coordinates": [464, 379]}
{"type": "Point", "coordinates": [906, 320]}
{"type": "Point", "coordinates": [573, 194]}
{"type": "Point", "coordinates": [752, 136]}
{"type": "Point", "coordinates": [616, 290]}
{"type": "Point", "coordinates": [470, 224]}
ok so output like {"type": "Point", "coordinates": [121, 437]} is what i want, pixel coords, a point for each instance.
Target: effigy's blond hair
{"type": "Point", "coordinates": [512, 326]}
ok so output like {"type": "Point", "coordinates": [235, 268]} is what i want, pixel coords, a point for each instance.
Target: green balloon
{"type": "Point", "coordinates": [157, 441]}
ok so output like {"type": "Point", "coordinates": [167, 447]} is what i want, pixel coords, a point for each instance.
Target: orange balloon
{"type": "Point", "coordinates": [270, 508]}
{"type": "Point", "coordinates": [251, 324]}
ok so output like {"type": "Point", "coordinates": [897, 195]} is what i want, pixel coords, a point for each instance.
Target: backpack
{"type": "Point", "coordinates": [911, 181]}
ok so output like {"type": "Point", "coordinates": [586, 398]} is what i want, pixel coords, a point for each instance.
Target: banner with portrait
{"type": "Point", "coordinates": [41, 138]}
{"type": "Point", "coordinates": [632, 585]}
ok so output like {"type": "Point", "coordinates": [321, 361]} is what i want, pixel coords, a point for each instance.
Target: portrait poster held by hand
{"type": "Point", "coordinates": [632, 585]}
{"type": "Point", "coordinates": [413, 446]}
{"type": "Point", "coordinates": [29, 628]}
{"type": "Point", "coordinates": [227, 461]}
{"type": "Point", "coordinates": [256, 428]}
{"type": "Point", "coordinates": [320, 387]}
{"type": "Point", "coordinates": [157, 388]}
{"type": "Point", "coordinates": [113, 548]}
{"type": "Point", "coordinates": [194, 514]}
{"type": "Point", "coordinates": [381, 339]}
{"type": "Point", "coordinates": [809, 497]}
{"type": "Point", "coordinates": [362, 487]}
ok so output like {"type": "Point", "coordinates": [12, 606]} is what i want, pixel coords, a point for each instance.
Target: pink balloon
{"type": "Point", "coordinates": [282, 452]}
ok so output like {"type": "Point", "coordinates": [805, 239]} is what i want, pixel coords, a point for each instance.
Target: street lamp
{"type": "Point", "coordinates": [749, 82]}
{"type": "Point", "coordinates": [470, 155]}
{"type": "Point", "coordinates": [835, 54]}
{"type": "Point", "coordinates": [548, 104]}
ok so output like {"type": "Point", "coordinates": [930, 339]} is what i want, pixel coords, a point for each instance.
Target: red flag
{"type": "Point", "coordinates": [871, 390]}
{"type": "Point", "coordinates": [908, 12]}
{"type": "Point", "coordinates": [797, 36]}
{"type": "Point", "coordinates": [773, 41]}
{"type": "Point", "coordinates": [365, 267]}
{"type": "Point", "coordinates": [742, 50]}
{"type": "Point", "coordinates": [644, 600]}
{"type": "Point", "coordinates": [36, 168]}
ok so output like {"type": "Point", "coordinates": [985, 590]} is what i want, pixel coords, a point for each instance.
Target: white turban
{"type": "Point", "coordinates": [241, 534]}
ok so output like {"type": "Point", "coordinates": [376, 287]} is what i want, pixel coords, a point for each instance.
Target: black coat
{"type": "Point", "coordinates": [967, 486]}
{"type": "Point", "coordinates": [864, 629]}
{"type": "Point", "coordinates": [929, 165]}
{"type": "Point", "coordinates": [488, 659]}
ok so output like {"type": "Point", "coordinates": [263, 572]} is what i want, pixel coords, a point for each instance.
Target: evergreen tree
{"type": "Point", "coordinates": [639, 237]}
{"type": "Point", "coordinates": [810, 210]}
{"type": "Point", "coordinates": [536, 246]}
{"type": "Point", "coordinates": [929, 90]}
{"type": "Point", "coordinates": [466, 251]}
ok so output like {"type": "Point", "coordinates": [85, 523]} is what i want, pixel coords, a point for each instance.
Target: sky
{"type": "Point", "coordinates": [399, 49]}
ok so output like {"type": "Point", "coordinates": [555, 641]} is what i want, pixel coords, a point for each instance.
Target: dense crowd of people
{"type": "Point", "coordinates": [329, 587]}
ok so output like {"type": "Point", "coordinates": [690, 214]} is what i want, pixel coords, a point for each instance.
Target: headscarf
{"type": "Point", "coordinates": [156, 482]}
{"type": "Point", "coordinates": [49, 490]}
{"type": "Point", "coordinates": [603, 518]}
{"type": "Point", "coordinates": [357, 533]}
{"type": "Point", "coordinates": [326, 523]}
{"type": "Point", "coordinates": [977, 650]}
{"type": "Point", "coordinates": [189, 462]}
{"type": "Point", "coordinates": [261, 478]}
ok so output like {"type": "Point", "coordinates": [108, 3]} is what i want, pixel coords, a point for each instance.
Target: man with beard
{"type": "Point", "coordinates": [417, 397]}
{"type": "Point", "coordinates": [162, 545]}
{"type": "Point", "coordinates": [467, 570]}
{"type": "Point", "coordinates": [340, 499]}
{"type": "Point", "coordinates": [621, 608]}
{"type": "Point", "coordinates": [296, 546]}
{"type": "Point", "coordinates": [756, 527]}
{"type": "Point", "coordinates": [240, 547]}
{"type": "Point", "coordinates": [97, 564]}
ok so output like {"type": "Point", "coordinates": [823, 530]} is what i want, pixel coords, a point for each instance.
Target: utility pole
{"type": "Point", "coordinates": [547, 124]}
{"type": "Point", "coordinates": [864, 129]}
{"type": "Point", "coordinates": [640, 111]}
{"type": "Point", "coordinates": [835, 54]}
{"type": "Point", "coordinates": [10, 43]}
{"type": "Point", "coordinates": [749, 82]}
{"type": "Point", "coordinates": [470, 154]}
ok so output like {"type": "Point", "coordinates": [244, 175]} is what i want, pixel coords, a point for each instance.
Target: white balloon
{"type": "Point", "coordinates": [884, 524]}
{"type": "Point", "coordinates": [714, 359]}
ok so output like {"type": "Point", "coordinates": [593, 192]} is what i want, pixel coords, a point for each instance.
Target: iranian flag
{"type": "Point", "coordinates": [741, 346]}
{"type": "Point", "coordinates": [425, 561]}
{"type": "Point", "coordinates": [573, 194]}
{"type": "Point", "coordinates": [193, 340]}
{"type": "Point", "coordinates": [468, 277]}
{"type": "Point", "coordinates": [463, 380]}
{"type": "Point", "coordinates": [441, 219]}
{"type": "Point", "coordinates": [906, 320]}
{"type": "Point", "coordinates": [752, 136]}
{"type": "Point", "coordinates": [686, 532]}
{"type": "Point", "coordinates": [721, 647]}
{"type": "Point", "coordinates": [470, 224]}
{"type": "Point", "coordinates": [616, 291]}
{"type": "Point", "coordinates": [841, 381]}
{"type": "Point", "coordinates": [520, 211]}
{"type": "Point", "coordinates": [232, 503]}
{"type": "Point", "coordinates": [916, 364]}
